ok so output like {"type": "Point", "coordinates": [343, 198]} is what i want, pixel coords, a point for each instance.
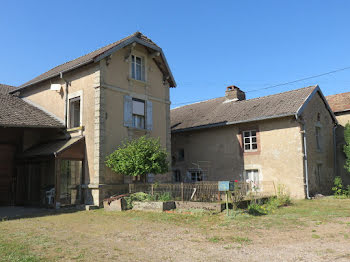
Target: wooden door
{"type": "Point", "coordinates": [6, 173]}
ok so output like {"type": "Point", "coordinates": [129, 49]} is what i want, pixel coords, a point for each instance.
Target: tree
{"type": "Point", "coordinates": [139, 157]}
{"type": "Point", "coordinates": [347, 146]}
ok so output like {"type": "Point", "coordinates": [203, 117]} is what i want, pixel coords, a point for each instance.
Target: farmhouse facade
{"type": "Point", "coordinates": [287, 138]}
{"type": "Point", "coordinates": [97, 101]}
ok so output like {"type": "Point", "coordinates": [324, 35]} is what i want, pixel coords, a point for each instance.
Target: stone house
{"type": "Point", "coordinates": [340, 104]}
{"type": "Point", "coordinates": [287, 138]}
{"type": "Point", "coordinates": [118, 92]}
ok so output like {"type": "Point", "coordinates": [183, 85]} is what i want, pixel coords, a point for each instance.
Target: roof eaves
{"type": "Point", "coordinates": [231, 123]}
{"type": "Point", "coordinates": [51, 76]}
{"type": "Point", "coordinates": [308, 99]}
{"type": "Point", "coordinates": [141, 42]}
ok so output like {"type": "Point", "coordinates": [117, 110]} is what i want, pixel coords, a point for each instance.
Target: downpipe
{"type": "Point", "coordinates": [302, 123]}
{"type": "Point", "coordinates": [66, 101]}
{"type": "Point", "coordinates": [335, 149]}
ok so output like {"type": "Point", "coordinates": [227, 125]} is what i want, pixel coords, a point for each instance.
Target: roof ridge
{"type": "Point", "coordinates": [338, 94]}
{"type": "Point", "coordinates": [251, 99]}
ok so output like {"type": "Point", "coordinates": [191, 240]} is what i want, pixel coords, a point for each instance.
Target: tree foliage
{"type": "Point", "coordinates": [139, 157]}
{"type": "Point", "coordinates": [347, 146]}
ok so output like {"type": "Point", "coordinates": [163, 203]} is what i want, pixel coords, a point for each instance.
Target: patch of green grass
{"type": "Point", "coordinates": [315, 236]}
{"type": "Point", "coordinates": [215, 239]}
{"type": "Point", "coordinates": [241, 240]}
{"type": "Point", "coordinates": [16, 252]}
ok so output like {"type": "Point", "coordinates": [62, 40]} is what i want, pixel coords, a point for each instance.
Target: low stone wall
{"type": "Point", "coordinates": [153, 206]}
{"type": "Point", "coordinates": [200, 205]}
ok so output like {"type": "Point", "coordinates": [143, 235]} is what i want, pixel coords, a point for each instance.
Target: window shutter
{"type": "Point", "coordinates": [149, 116]}
{"type": "Point", "coordinates": [143, 74]}
{"type": "Point", "coordinates": [128, 111]}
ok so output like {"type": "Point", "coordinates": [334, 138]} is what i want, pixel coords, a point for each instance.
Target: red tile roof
{"type": "Point", "coordinates": [339, 102]}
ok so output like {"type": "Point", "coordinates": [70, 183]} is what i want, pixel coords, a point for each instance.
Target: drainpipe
{"type": "Point", "coordinates": [303, 125]}
{"type": "Point", "coordinates": [66, 102]}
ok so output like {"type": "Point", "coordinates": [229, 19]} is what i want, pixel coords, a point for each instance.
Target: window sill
{"type": "Point", "coordinates": [139, 129]}
{"type": "Point", "coordinates": [75, 129]}
{"type": "Point", "coordinates": [137, 81]}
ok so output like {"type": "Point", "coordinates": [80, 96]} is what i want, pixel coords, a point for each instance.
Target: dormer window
{"type": "Point", "coordinates": [138, 68]}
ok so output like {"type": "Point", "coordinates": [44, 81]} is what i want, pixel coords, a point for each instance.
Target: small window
{"type": "Point", "coordinates": [318, 138]}
{"type": "Point", "coordinates": [74, 112]}
{"type": "Point", "coordinates": [253, 179]}
{"type": "Point", "coordinates": [181, 155]}
{"type": "Point", "coordinates": [177, 176]}
{"type": "Point", "coordinates": [137, 68]}
{"type": "Point", "coordinates": [196, 175]}
{"type": "Point", "coordinates": [138, 113]}
{"type": "Point", "coordinates": [250, 141]}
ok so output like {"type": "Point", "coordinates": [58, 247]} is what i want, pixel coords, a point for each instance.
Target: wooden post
{"type": "Point", "coordinates": [182, 191]}
{"type": "Point", "coordinates": [227, 203]}
{"type": "Point", "coordinates": [57, 183]}
{"type": "Point", "coordinates": [152, 189]}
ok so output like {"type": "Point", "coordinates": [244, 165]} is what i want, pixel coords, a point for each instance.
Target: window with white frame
{"type": "Point", "coordinates": [253, 179]}
{"type": "Point", "coordinates": [138, 68]}
{"type": "Point", "coordinates": [196, 175]}
{"type": "Point", "coordinates": [318, 138]}
{"type": "Point", "coordinates": [138, 113]}
{"type": "Point", "coordinates": [250, 142]}
{"type": "Point", "coordinates": [74, 112]}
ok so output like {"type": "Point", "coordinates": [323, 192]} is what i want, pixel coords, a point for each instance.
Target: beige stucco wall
{"type": "Point", "coordinates": [325, 156]}
{"type": "Point", "coordinates": [84, 80]}
{"type": "Point", "coordinates": [116, 83]}
{"type": "Point", "coordinates": [280, 159]}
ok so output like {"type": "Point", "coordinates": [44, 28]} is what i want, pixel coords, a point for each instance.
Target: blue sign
{"type": "Point", "coordinates": [226, 185]}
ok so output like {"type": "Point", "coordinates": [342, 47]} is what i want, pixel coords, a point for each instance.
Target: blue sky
{"type": "Point", "coordinates": [209, 44]}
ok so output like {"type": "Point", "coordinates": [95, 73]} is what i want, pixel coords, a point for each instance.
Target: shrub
{"type": "Point", "coordinates": [139, 157]}
{"type": "Point", "coordinates": [256, 209]}
{"type": "Point", "coordinates": [347, 146]}
{"type": "Point", "coordinates": [143, 197]}
{"type": "Point", "coordinates": [339, 190]}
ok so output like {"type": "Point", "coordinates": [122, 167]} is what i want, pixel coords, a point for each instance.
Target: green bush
{"type": "Point", "coordinates": [143, 197]}
{"type": "Point", "coordinates": [256, 209]}
{"type": "Point", "coordinates": [339, 190]}
{"type": "Point", "coordinates": [139, 157]}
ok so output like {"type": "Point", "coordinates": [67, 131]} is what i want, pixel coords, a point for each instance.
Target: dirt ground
{"type": "Point", "coordinates": [313, 230]}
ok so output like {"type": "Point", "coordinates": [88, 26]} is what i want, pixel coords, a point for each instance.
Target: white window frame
{"type": "Point", "coordinates": [133, 66]}
{"type": "Point", "coordinates": [255, 186]}
{"type": "Point", "coordinates": [136, 116]}
{"type": "Point", "coordinates": [198, 173]}
{"type": "Point", "coordinates": [250, 137]}
{"type": "Point", "coordinates": [72, 96]}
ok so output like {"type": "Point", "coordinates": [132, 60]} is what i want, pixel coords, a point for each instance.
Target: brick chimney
{"type": "Point", "coordinates": [234, 93]}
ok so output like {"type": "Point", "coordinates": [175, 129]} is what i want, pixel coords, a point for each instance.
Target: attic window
{"type": "Point", "coordinates": [138, 68]}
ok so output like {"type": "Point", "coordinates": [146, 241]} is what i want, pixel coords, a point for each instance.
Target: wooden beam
{"type": "Point", "coordinates": [57, 183]}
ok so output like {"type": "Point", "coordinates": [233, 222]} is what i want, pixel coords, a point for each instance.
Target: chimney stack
{"type": "Point", "coordinates": [234, 93]}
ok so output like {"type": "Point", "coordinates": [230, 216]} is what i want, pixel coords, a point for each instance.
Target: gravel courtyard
{"type": "Point", "coordinates": [309, 230]}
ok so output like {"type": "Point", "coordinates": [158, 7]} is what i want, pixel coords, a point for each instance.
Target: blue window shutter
{"type": "Point", "coordinates": [149, 115]}
{"type": "Point", "coordinates": [128, 111]}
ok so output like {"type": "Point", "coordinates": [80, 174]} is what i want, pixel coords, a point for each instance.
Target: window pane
{"type": "Point", "coordinates": [247, 147]}
{"type": "Point", "coordinates": [254, 139]}
{"type": "Point", "coordinates": [253, 133]}
{"type": "Point", "coordinates": [246, 134]}
{"type": "Point", "coordinates": [254, 146]}
{"type": "Point", "coordinates": [138, 60]}
{"type": "Point", "coordinates": [138, 72]}
{"type": "Point", "coordinates": [247, 140]}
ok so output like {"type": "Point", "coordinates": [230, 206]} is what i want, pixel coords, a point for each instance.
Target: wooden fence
{"type": "Point", "coordinates": [206, 191]}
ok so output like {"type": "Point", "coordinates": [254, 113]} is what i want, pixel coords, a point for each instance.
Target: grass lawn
{"type": "Point", "coordinates": [314, 230]}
